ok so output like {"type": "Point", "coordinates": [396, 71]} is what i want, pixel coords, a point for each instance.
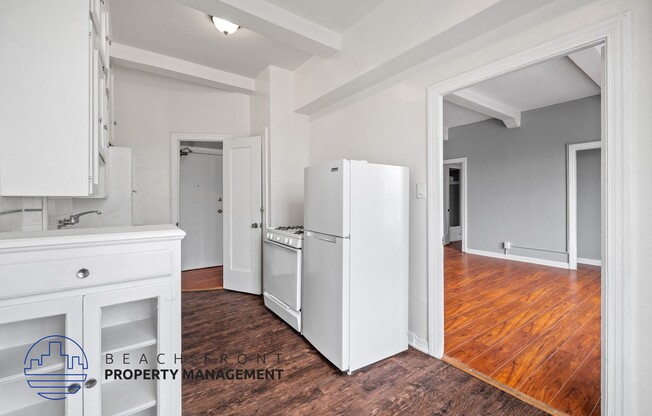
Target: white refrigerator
{"type": "Point", "coordinates": [355, 271]}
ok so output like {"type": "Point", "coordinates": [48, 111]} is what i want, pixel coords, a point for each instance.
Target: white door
{"type": "Point", "coordinates": [447, 206]}
{"type": "Point", "coordinates": [200, 206]}
{"type": "Point", "coordinates": [243, 214]}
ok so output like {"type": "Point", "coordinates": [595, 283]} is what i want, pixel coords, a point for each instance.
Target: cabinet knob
{"type": "Point", "coordinates": [83, 273]}
{"type": "Point", "coordinates": [74, 388]}
{"type": "Point", "coordinates": [90, 383]}
{"type": "Point", "coordinates": [219, 211]}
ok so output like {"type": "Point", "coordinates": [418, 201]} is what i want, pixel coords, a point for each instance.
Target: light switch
{"type": "Point", "coordinates": [421, 191]}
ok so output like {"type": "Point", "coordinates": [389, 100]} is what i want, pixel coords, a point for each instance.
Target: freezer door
{"type": "Point", "coordinates": [327, 198]}
{"type": "Point", "coordinates": [325, 296]}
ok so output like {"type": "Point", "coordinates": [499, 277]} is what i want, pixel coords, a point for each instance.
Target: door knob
{"type": "Point", "coordinates": [90, 383]}
{"type": "Point", "coordinates": [74, 388]}
{"type": "Point", "coordinates": [219, 211]}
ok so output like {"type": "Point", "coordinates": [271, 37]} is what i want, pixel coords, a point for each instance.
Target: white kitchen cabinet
{"type": "Point", "coordinates": [134, 324]}
{"type": "Point", "coordinates": [20, 327]}
{"type": "Point", "coordinates": [114, 291]}
{"type": "Point", "coordinates": [53, 123]}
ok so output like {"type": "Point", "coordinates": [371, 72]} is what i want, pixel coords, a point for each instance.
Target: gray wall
{"type": "Point", "coordinates": [517, 177]}
{"type": "Point", "coordinates": [588, 204]}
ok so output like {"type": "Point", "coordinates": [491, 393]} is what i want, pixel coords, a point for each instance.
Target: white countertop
{"type": "Point", "coordinates": [72, 236]}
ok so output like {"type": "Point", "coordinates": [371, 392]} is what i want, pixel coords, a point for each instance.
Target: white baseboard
{"type": "Point", "coordinates": [542, 262]}
{"type": "Point", "coordinates": [590, 262]}
{"type": "Point", "coordinates": [418, 342]}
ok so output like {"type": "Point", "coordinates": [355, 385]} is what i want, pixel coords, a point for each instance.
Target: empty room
{"type": "Point", "coordinates": [522, 264]}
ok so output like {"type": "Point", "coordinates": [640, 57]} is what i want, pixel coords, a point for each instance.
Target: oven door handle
{"type": "Point", "coordinates": [275, 244]}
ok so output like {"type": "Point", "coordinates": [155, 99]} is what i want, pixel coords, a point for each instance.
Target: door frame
{"type": "Point", "coordinates": [572, 197]}
{"type": "Point", "coordinates": [617, 323]}
{"type": "Point", "coordinates": [462, 161]}
{"type": "Point", "coordinates": [175, 147]}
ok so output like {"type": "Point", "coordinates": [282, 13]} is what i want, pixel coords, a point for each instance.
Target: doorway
{"type": "Point", "coordinates": [515, 312]}
{"type": "Point", "coordinates": [455, 209]}
{"type": "Point", "coordinates": [616, 114]}
{"type": "Point", "coordinates": [241, 221]}
{"type": "Point", "coordinates": [198, 169]}
{"type": "Point", "coordinates": [200, 204]}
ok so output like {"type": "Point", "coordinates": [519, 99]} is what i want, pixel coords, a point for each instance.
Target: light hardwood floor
{"type": "Point", "coordinates": [533, 328]}
{"type": "Point", "coordinates": [209, 278]}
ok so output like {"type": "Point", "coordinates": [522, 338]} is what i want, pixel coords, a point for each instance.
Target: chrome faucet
{"type": "Point", "coordinates": [74, 219]}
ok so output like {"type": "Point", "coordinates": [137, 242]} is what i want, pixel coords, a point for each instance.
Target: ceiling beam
{"type": "Point", "coordinates": [155, 63]}
{"type": "Point", "coordinates": [274, 22]}
{"type": "Point", "coordinates": [477, 102]}
{"type": "Point", "coordinates": [590, 62]}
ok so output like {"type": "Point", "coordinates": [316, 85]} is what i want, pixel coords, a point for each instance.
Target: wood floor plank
{"type": "Point", "coordinates": [540, 349]}
{"type": "Point", "coordinates": [549, 378]}
{"type": "Point", "coordinates": [581, 393]}
{"type": "Point", "coordinates": [411, 383]}
{"type": "Point", "coordinates": [532, 334]}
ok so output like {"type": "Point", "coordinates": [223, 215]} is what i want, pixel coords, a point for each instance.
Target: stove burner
{"type": "Point", "coordinates": [298, 228]}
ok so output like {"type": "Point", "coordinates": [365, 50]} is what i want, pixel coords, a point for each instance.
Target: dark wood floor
{"type": "Point", "coordinates": [209, 278]}
{"type": "Point", "coordinates": [411, 383]}
{"type": "Point", "coordinates": [533, 328]}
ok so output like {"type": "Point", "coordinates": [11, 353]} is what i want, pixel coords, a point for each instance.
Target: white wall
{"type": "Point", "coordinates": [30, 217]}
{"type": "Point", "coordinates": [389, 125]}
{"type": "Point", "coordinates": [148, 108]}
{"type": "Point", "coordinates": [272, 105]}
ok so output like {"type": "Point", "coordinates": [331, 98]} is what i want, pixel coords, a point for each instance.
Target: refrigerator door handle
{"type": "Point", "coordinates": [322, 237]}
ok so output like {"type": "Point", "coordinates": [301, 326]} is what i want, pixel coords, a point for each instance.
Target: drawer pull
{"type": "Point", "coordinates": [83, 273]}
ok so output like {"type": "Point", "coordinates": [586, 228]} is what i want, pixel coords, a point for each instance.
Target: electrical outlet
{"type": "Point", "coordinates": [507, 245]}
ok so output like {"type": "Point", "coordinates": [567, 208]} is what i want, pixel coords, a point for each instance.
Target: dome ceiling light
{"type": "Point", "coordinates": [225, 26]}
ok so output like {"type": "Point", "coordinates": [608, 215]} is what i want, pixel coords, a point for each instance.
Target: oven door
{"type": "Point", "coordinates": [282, 273]}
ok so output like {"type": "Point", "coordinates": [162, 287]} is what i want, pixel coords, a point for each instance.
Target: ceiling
{"type": "Point", "coordinates": [170, 28]}
{"type": "Point", "coordinates": [548, 83]}
{"type": "Point", "coordinates": [336, 15]}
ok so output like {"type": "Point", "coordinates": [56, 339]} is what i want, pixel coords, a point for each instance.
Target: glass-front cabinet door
{"type": "Point", "coordinates": [42, 363]}
{"type": "Point", "coordinates": [128, 334]}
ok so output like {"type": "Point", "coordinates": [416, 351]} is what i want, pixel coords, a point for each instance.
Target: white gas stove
{"type": "Point", "coordinates": [282, 272]}
{"type": "Point", "coordinates": [291, 235]}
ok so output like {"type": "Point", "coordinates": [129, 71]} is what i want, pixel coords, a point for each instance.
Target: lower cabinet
{"type": "Point", "coordinates": [127, 331]}
{"type": "Point", "coordinates": [32, 365]}
{"type": "Point", "coordinates": [109, 345]}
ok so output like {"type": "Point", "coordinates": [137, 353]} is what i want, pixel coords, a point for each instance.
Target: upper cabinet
{"type": "Point", "coordinates": [55, 93]}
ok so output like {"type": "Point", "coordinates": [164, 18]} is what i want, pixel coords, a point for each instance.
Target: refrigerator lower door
{"type": "Point", "coordinates": [325, 295]}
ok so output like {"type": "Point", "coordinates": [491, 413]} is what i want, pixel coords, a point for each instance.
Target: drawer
{"type": "Point", "coordinates": [52, 275]}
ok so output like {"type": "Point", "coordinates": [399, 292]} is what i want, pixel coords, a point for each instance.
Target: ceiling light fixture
{"type": "Point", "coordinates": [225, 26]}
